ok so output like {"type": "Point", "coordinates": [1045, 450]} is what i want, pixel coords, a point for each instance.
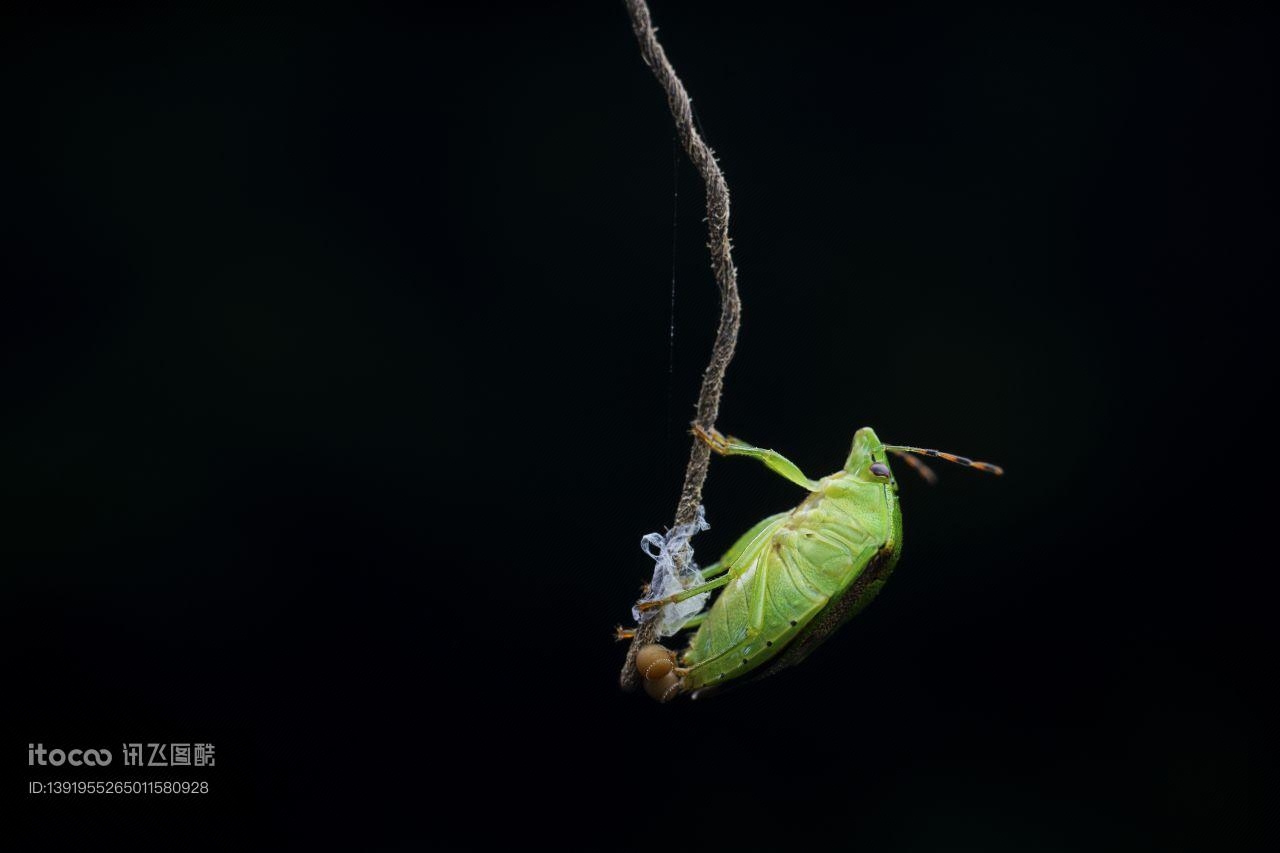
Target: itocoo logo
{"type": "Point", "coordinates": [36, 754]}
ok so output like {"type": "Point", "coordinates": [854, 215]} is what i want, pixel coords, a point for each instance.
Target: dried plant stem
{"type": "Point", "coordinates": [726, 276]}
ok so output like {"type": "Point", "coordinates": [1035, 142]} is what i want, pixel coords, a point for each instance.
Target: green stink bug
{"type": "Point", "coordinates": [795, 577]}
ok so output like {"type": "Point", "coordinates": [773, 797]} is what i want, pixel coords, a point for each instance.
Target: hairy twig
{"type": "Point", "coordinates": [726, 275]}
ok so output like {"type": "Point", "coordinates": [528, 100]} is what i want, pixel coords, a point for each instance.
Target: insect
{"type": "Point", "coordinates": [794, 578]}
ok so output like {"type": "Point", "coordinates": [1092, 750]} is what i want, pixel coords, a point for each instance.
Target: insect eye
{"type": "Point", "coordinates": [880, 469]}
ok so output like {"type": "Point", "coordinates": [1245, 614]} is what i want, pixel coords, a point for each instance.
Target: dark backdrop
{"type": "Point", "coordinates": [339, 388]}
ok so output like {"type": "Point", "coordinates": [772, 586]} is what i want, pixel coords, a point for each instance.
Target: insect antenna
{"type": "Point", "coordinates": [902, 449]}
{"type": "Point", "coordinates": [917, 465]}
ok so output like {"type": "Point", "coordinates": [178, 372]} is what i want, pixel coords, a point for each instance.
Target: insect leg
{"type": "Point", "coordinates": [775, 461]}
{"type": "Point", "coordinates": [733, 556]}
{"type": "Point", "coordinates": [716, 568]}
{"type": "Point", "coordinates": [684, 595]}
{"type": "Point", "coordinates": [620, 633]}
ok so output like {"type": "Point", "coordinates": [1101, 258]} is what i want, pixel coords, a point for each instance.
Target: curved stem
{"type": "Point", "coordinates": [726, 276]}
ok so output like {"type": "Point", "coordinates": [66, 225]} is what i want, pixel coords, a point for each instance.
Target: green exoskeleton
{"type": "Point", "coordinates": [794, 578]}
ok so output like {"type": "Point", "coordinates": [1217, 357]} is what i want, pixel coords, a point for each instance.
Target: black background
{"type": "Point", "coordinates": [338, 390]}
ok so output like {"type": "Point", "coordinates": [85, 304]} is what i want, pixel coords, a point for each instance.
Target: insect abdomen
{"type": "Point", "coordinates": [864, 588]}
{"type": "Point", "coordinates": [860, 593]}
{"type": "Point", "coordinates": [795, 583]}
{"type": "Point", "coordinates": [788, 578]}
